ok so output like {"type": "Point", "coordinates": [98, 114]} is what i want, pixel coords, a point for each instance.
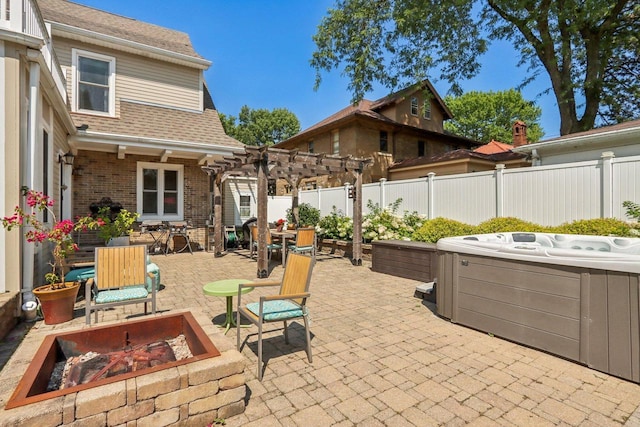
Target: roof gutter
{"type": "Point", "coordinates": [577, 141]}
{"type": "Point", "coordinates": [127, 45]}
{"type": "Point", "coordinates": [149, 143]}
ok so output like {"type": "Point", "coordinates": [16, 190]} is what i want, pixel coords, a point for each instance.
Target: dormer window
{"type": "Point", "coordinates": [414, 106]}
{"type": "Point", "coordinates": [93, 83]}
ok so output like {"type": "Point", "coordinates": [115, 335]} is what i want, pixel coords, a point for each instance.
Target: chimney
{"type": "Point", "coordinates": [519, 133]}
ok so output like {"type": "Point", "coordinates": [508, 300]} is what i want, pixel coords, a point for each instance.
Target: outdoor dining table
{"type": "Point", "coordinates": [226, 288]}
{"type": "Point", "coordinates": [284, 236]}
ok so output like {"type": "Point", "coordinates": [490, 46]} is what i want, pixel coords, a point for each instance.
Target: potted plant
{"type": "Point", "coordinates": [308, 216]}
{"type": "Point", "coordinates": [113, 228]}
{"type": "Point", "coordinates": [57, 297]}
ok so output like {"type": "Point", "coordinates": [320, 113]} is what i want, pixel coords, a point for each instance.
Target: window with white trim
{"type": "Point", "coordinates": [93, 83]}
{"type": "Point", "coordinates": [414, 106]}
{"type": "Point", "coordinates": [160, 191]}
{"type": "Point", "coordinates": [245, 206]}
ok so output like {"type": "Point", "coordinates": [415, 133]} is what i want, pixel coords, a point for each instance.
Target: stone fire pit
{"type": "Point", "coordinates": [193, 391]}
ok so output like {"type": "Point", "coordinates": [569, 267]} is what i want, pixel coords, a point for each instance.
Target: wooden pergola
{"type": "Point", "coordinates": [293, 166]}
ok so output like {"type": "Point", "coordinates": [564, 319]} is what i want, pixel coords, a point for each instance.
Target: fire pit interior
{"type": "Point", "coordinates": [125, 350]}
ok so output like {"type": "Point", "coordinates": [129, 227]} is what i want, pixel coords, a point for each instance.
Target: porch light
{"type": "Point", "coordinates": [67, 158]}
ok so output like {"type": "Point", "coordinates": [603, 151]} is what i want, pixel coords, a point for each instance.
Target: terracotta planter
{"type": "Point", "coordinates": [118, 241]}
{"type": "Point", "coordinates": [57, 304]}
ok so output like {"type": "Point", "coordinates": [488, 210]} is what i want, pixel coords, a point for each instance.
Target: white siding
{"type": "Point", "coordinates": [141, 79]}
{"type": "Point", "coordinates": [232, 190]}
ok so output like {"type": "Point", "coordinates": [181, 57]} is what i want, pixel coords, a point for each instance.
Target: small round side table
{"type": "Point", "coordinates": [226, 288]}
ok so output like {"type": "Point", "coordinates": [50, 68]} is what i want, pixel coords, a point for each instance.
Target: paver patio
{"type": "Point", "coordinates": [383, 357]}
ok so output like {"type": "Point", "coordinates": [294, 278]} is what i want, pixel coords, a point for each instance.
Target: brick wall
{"type": "Point", "coordinates": [104, 175]}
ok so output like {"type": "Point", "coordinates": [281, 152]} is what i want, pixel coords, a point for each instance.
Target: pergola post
{"type": "Point", "coordinates": [295, 200]}
{"type": "Point", "coordinates": [357, 217]}
{"type": "Point", "coordinates": [263, 226]}
{"type": "Point", "coordinates": [218, 240]}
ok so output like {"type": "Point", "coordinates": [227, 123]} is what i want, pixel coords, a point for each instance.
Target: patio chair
{"type": "Point", "coordinates": [305, 241]}
{"type": "Point", "coordinates": [120, 279]}
{"type": "Point", "coordinates": [271, 246]}
{"type": "Point", "coordinates": [288, 304]}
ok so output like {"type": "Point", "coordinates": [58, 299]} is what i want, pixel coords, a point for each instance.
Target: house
{"type": "Point", "coordinates": [483, 158]}
{"type": "Point", "coordinates": [404, 125]}
{"type": "Point", "coordinates": [622, 140]}
{"type": "Point", "coordinates": [99, 105]}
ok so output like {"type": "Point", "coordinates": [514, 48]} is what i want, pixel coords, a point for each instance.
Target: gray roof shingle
{"type": "Point", "coordinates": [147, 121]}
{"type": "Point", "coordinates": [99, 21]}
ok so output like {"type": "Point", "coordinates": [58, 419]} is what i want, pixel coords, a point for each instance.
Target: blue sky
{"type": "Point", "coordinates": [260, 52]}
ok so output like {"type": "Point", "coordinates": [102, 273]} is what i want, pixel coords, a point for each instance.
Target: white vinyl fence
{"type": "Point", "coordinates": [545, 195]}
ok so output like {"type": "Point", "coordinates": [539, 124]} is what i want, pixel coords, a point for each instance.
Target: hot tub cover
{"type": "Point", "coordinates": [596, 252]}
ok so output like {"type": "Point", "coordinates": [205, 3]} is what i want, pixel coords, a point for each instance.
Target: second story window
{"type": "Point", "coordinates": [93, 83]}
{"type": "Point", "coordinates": [310, 147]}
{"type": "Point", "coordinates": [384, 141]}
{"type": "Point", "coordinates": [335, 139]}
{"type": "Point", "coordinates": [427, 109]}
{"type": "Point", "coordinates": [414, 106]}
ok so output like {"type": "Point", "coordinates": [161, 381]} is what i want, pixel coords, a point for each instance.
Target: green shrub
{"type": "Point", "coordinates": [596, 227]}
{"type": "Point", "coordinates": [307, 213]}
{"type": "Point", "coordinates": [633, 209]}
{"type": "Point", "coordinates": [508, 224]}
{"type": "Point", "coordinates": [386, 224]}
{"type": "Point", "coordinates": [335, 226]}
{"type": "Point", "coordinates": [435, 229]}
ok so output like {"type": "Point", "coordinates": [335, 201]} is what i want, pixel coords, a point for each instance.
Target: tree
{"type": "Point", "coordinates": [261, 126]}
{"type": "Point", "coordinates": [583, 46]}
{"type": "Point", "coordinates": [484, 116]}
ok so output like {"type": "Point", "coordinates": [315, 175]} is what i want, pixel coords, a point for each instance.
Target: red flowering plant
{"type": "Point", "coordinates": [38, 232]}
{"type": "Point", "coordinates": [280, 222]}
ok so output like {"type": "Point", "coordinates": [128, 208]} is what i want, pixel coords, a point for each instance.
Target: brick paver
{"type": "Point", "coordinates": [382, 357]}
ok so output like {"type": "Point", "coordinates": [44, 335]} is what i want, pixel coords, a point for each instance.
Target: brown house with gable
{"type": "Point", "coordinates": [404, 125]}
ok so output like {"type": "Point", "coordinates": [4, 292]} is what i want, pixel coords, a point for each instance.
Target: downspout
{"type": "Point", "coordinates": [28, 250]}
{"type": "Point", "coordinates": [535, 157]}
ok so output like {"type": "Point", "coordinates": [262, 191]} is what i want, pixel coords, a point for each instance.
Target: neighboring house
{"type": "Point", "coordinates": [404, 125]}
{"type": "Point", "coordinates": [99, 105]}
{"type": "Point", "coordinates": [483, 158]}
{"type": "Point", "coordinates": [621, 139]}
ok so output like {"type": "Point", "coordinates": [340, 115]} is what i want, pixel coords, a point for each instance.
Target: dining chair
{"type": "Point", "coordinates": [271, 246]}
{"type": "Point", "coordinates": [290, 303]}
{"type": "Point", "coordinates": [305, 241]}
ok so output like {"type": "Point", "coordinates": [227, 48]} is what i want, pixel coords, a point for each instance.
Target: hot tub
{"type": "Point", "coordinates": [571, 295]}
